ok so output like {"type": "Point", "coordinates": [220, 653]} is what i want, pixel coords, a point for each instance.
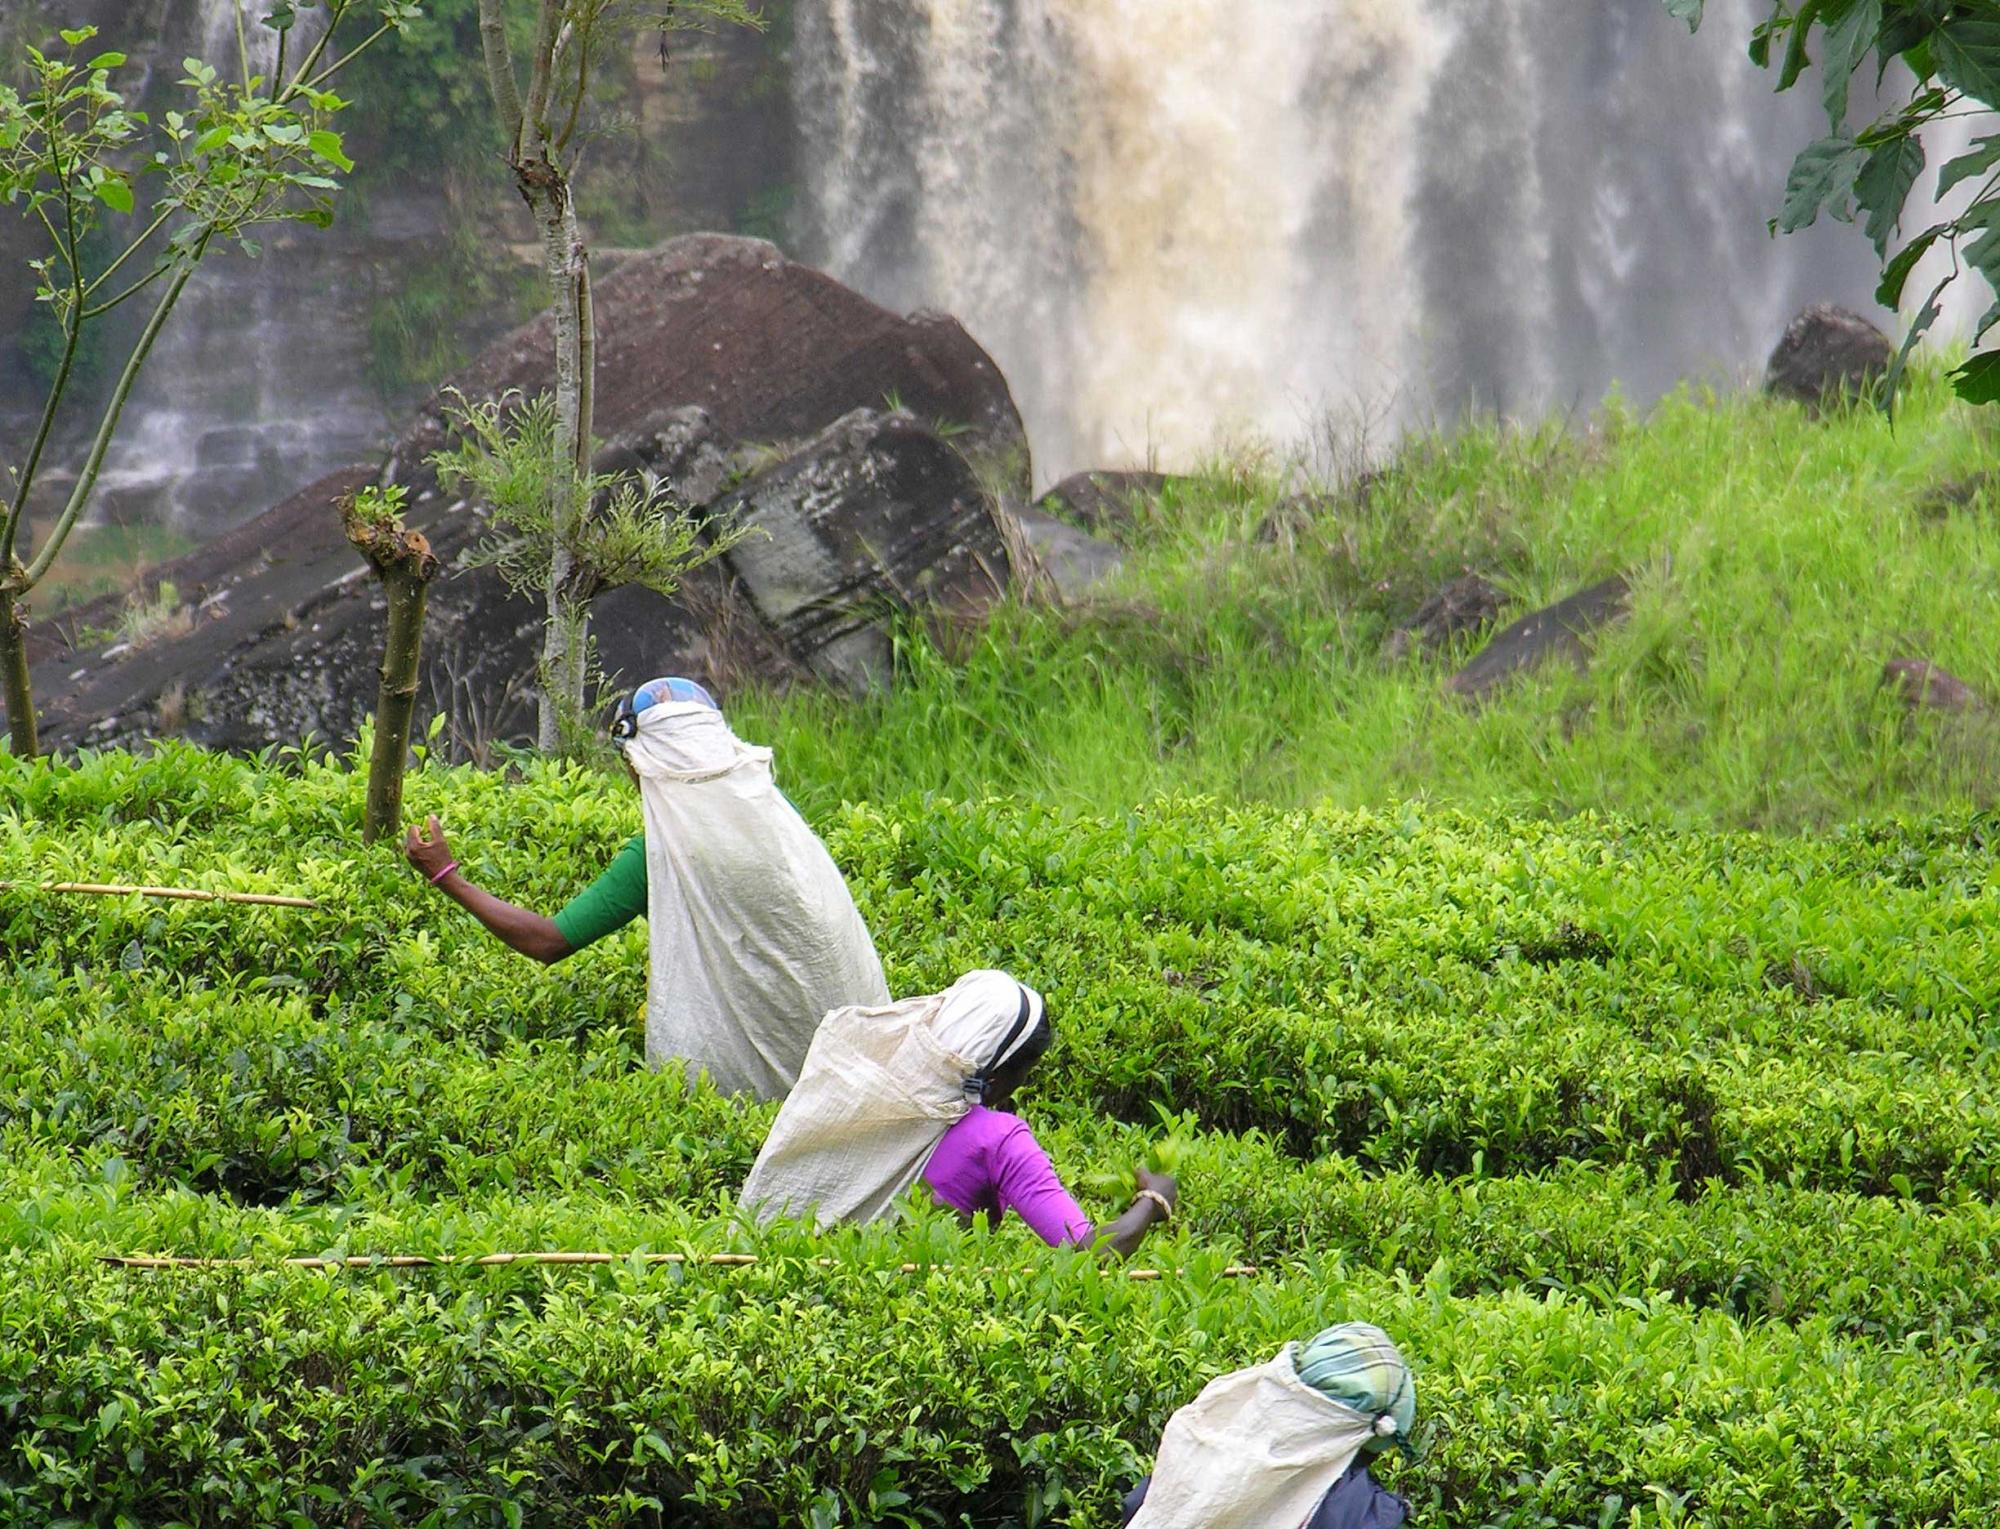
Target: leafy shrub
{"type": "Point", "coordinates": [1667, 1156]}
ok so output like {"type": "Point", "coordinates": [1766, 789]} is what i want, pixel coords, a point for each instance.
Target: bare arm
{"type": "Point", "coordinates": [534, 935]}
{"type": "Point", "coordinates": [1123, 1236]}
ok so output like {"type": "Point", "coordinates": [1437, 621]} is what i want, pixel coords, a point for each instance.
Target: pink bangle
{"type": "Point", "coordinates": [444, 873]}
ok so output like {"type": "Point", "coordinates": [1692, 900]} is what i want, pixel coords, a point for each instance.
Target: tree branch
{"type": "Point", "coordinates": [303, 78]}
{"type": "Point", "coordinates": [586, 365]}
{"type": "Point", "coordinates": [130, 292]}
{"type": "Point", "coordinates": [541, 78]}
{"type": "Point", "coordinates": [130, 250]}
{"type": "Point", "coordinates": [500, 81]}
{"type": "Point", "coordinates": [15, 511]}
{"type": "Point", "coordinates": [86, 479]}
{"type": "Point", "coordinates": [348, 57]}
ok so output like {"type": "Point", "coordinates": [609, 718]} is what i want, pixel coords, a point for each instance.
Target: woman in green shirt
{"type": "Point", "coordinates": [754, 935]}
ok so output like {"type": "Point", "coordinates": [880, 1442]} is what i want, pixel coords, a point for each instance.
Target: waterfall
{"type": "Point", "coordinates": [258, 384]}
{"type": "Point", "coordinates": [1177, 222]}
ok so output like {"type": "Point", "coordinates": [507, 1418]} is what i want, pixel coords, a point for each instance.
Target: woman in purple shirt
{"type": "Point", "coordinates": [990, 1163]}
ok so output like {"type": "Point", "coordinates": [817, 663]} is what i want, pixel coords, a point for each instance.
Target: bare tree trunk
{"type": "Point", "coordinates": [535, 155]}
{"type": "Point", "coordinates": [405, 564]}
{"type": "Point", "coordinates": [18, 580]}
{"type": "Point", "coordinates": [14, 684]}
{"type": "Point", "coordinates": [565, 265]}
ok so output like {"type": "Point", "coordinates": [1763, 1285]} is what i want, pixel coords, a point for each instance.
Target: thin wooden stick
{"type": "Point", "coordinates": [495, 1260]}
{"type": "Point", "coordinates": [183, 894]}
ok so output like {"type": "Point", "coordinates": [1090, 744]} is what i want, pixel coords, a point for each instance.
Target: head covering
{"type": "Point", "coordinates": [1357, 1365]}
{"type": "Point", "coordinates": [985, 1018]}
{"type": "Point", "coordinates": [670, 688]}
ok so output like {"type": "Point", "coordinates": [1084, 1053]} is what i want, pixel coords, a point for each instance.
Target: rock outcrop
{"type": "Point", "coordinates": [1828, 354]}
{"type": "Point", "coordinates": [1555, 631]}
{"type": "Point", "coordinates": [748, 384]}
{"type": "Point", "coordinates": [873, 514]}
{"type": "Point", "coordinates": [1104, 502]}
{"type": "Point", "coordinates": [1459, 609]}
{"type": "Point", "coordinates": [1923, 686]}
{"type": "Point", "coordinates": [1068, 562]}
{"type": "Point", "coordinates": [770, 349]}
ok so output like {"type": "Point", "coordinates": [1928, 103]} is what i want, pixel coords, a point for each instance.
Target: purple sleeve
{"type": "Point", "coordinates": [1025, 1182]}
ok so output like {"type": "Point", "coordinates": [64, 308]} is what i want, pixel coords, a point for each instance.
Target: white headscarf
{"type": "Point", "coordinates": [985, 1018]}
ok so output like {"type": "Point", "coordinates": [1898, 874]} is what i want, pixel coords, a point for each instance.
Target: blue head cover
{"type": "Point", "coordinates": [660, 692]}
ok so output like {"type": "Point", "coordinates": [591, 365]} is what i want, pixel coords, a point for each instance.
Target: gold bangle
{"type": "Point", "coordinates": [1166, 1209]}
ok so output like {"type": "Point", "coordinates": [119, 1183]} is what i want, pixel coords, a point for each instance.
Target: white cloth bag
{"type": "Point", "coordinates": [879, 1089]}
{"type": "Point", "coordinates": [1257, 1449]}
{"type": "Point", "coordinates": [754, 933]}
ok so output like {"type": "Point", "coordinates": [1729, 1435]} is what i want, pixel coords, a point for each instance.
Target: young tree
{"type": "Point", "coordinates": [540, 131]}
{"type": "Point", "coordinates": [1952, 50]}
{"type": "Point", "coordinates": [404, 565]}
{"type": "Point", "coordinates": [241, 152]}
{"type": "Point", "coordinates": [620, 528]}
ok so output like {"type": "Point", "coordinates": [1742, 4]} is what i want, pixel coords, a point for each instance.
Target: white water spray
{"type": "Point", "coordinates": [1176, 221]}
{"type": "Point", "coordinates": [258, 382]}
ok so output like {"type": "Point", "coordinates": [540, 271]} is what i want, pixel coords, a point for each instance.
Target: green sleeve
{"type": "Point", "coordinates": [609, 903]}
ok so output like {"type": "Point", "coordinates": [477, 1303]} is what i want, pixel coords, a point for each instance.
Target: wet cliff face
{"type": "Point", "coordinates": [279, 368]}
{"type": "Point", "coordinates": [1174, 218]}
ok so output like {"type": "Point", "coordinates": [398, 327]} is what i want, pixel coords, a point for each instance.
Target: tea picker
{"type": "Point", "coordinates": [1286, 1442]}
{"type": "Point", "coordinates": [920, 1090]}
{"type": "Point", "coordinates": [753, 933]}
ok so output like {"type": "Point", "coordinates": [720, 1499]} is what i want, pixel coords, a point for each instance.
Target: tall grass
{"type": "Point", "coordinates": [1778, 561]}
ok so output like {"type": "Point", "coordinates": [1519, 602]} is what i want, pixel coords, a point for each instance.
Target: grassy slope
{"type": "Point", "coordinates": [1780, 562]}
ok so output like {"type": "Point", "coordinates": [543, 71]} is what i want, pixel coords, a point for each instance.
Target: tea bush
{"type": "Point", "coordinates": [1667, 1156]}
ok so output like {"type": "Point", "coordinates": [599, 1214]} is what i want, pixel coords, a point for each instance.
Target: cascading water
{"type": "Point", "coordinates": [258, 384]}
{"type": "Point", "coordinates": [1177, 220]}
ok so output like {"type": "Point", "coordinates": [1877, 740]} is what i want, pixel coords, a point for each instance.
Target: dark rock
{"type": "Point", "coordinates": [1828, 354]}
{"type": "Point", "coordinates": [707, 345]}
{"type": "Point", "coordinates": [1462, 607]}
{"type": "Point", "coordinates": [681, 451]}
{"type": "Point", "coordinates": [1955, 494]}
{"type": "Point", "coordinates": [1073, 562]}
{"type": "Point", "coordinates": [1101, 501]}
{"type": "Point", "coordinates": [873, 514]}
{"type": "Point", "coordinates": [1923, 686]}
{"type": "Point", "coordinates": [1295, 516]}
{"type": "Point", "coordinates": [772, 350]}
{"type": "Point", "coordinates": [1555, 631]}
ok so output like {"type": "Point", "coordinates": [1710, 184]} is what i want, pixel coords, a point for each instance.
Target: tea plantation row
{"type": "Point", "coordinates": [1667, 1157]}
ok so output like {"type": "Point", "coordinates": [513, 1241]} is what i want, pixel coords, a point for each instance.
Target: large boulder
{"type": "Point", "coordinates": [770, 349]}
{"type": "Point", "coordinates": [1828, 354]}
{"type": "Point", "coordinates": [1555, 631]}
{"type": "Point", "coordinates": [710, 346]}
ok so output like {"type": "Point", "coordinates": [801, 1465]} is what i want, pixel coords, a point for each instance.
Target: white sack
{"type": "Point", "coordinates": [754, 933]}
{"type": "Point", "coordinates": [879, 1089]}
{"type": "Point", "coordinates": [1258, 1449]}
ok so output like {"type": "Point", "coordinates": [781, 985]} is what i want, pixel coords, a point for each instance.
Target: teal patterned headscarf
{"type": "Point", "coordinates": [1356, 1365]}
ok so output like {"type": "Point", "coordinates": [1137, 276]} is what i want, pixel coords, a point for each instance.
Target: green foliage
{"type": "Point", "coordinates": [617, 528]}
{"type": "Point", "coordinates": [1666, 1155]}
{"type": "Point", "coordinates": [1243, 651]}
{"type": "Point", "coordinates": [1952, 53]}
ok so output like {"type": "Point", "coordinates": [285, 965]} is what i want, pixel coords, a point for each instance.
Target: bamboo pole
{"type": "Point", "coordinates": [183, 894]}
{"type": "Point", "coordinates": [497, 1260]}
